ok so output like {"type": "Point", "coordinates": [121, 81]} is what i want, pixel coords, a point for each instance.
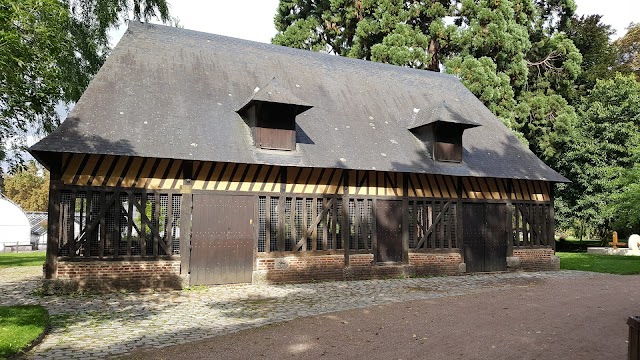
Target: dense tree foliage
{"type": "Point", "coordinates": [28, 187]}
{"type": "Point", "coordinates": [629, 51]}
{"type": "Point", "coordinates": [49, 50]}
{"type": "Point", "coordinates": [548, 74]}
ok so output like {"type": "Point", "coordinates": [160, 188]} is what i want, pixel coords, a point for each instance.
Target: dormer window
{"type": "Point", "coordinates": [441, 131]}
{"type": "Point", "coordinates": [271, 114]}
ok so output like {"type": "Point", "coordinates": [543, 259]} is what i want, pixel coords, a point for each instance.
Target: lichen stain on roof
{"type": "Point", "coordinates": [187, 86]}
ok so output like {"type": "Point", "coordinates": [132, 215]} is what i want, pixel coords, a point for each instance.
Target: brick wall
{"type": "Point", "coordinates": [436, 264]}
{"type": "Point", "coordinates": [331, 267]}
{"type": "Point", "coordinates": [537, 259]}
{"type": "Point", "coordinates": [104, 276]}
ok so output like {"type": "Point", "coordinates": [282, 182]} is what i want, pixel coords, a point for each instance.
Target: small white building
{"type": "Point", "coordinates": [14, 226]}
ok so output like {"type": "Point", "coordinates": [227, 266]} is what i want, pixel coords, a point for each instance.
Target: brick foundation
{"type": "Point", "coordinates": [534, 260]}
{"type": "Point", "coordinates": [291, 269]}
{"type": "Point", "coordinates": [107, 276]}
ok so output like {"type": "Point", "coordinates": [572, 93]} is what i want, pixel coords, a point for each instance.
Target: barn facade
{"type": "Point", "coordinates": [199, 159]}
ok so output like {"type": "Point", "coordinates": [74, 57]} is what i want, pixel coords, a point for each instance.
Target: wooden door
{"type": "Point", "coordinates": [485, 236]}
{"type": "Point", "coordinates": [389, 230]}
{"type": "Point", "coordinates": [222, 240]}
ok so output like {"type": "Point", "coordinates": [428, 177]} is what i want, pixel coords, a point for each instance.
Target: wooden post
{"type": "Point", "coordinates": [552, 227]}
{"type": "Point", "coordinates": [374, 231]}
{"type": "Point", "coordinates": [345, 226]}
{"type": "Point", "coordinates": [53, 229]}
{"type": "Point", "coordinates": [615, 239]}
{"type": "Point", "coordinates": [459, 225]}
{"type": "Point", "coordinates": [185, 226]}
{"type": "Point", "coordinates": [281, 213]}
{"type": "Point", "coordinates": [405, 218]}
{"type": "Point", "coordinates": [509, 220]}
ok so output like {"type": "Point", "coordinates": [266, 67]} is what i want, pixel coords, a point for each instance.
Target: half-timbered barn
{"type": "Point", "coordinates": [201, 159]}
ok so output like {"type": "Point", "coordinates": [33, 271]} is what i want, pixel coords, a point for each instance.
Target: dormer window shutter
{"type": "Point", "coordinates": [441, 131]}
{"type": "Point", "coordinates": [271, 114]}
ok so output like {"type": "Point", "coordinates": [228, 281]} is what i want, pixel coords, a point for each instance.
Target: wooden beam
{"type": "Point", "coordinates": [437, 219]}
{"type": "Point", "coordinates": [267, 224]}
{"type": "Point", "coordinates": [70, 235]}
{"type": "Point", "coordinates": [168, 227]}
{"type": "Point", "coordinates": [325, 224]}
{"type": "Point", "coordinates": [314, 234]}
{"type": "Point", "coordinates": [510, 231]}
{"type": "Point", "coordinates": [459, 224]}
{"type": "Point", "coordinates": [130, 224]}
{"type": "Point", "coordinates": [186, 201]}
{"type": "Point", "coordinates": [143, 226]}
{"type": "Point", "coordinates": [374, 231]}
{"type": "Point", "coordinates": [405, 218]}
{"type": "Point", "coordinates": [53, 233]}
{"type": "Point", "coordinates": [103, 227]}
{"type": "Point", "coordinates": [116, 233]}
{"type": "Point", "coordinates": [345, 230]}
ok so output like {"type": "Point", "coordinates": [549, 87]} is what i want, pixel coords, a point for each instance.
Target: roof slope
{"type": "Point", "coordinates": [172, 93]}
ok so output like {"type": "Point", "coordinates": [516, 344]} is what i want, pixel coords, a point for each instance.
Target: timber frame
{"type": "Point", "coordinates": [301, 211]}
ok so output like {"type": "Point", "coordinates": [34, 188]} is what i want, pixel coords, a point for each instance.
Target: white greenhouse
{"type": "Point", "coordinates": [15, 230]}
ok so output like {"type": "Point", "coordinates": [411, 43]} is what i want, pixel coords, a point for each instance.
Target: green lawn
{"type": "Point", "coordinates": [20, 326]}
{"type": "Point", "coordinates": [612, 264]}
{"type": "Point", "coordinates": [31, 258]}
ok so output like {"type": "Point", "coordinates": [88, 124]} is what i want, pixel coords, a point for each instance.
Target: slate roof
{"type": "Point", "coordinates": [173, 93]}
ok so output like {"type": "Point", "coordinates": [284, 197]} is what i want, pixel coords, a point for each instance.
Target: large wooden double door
{"type": "Point", "coordinates": [485, 236]}
{"type": "Point", "coordinates": [222, 239]}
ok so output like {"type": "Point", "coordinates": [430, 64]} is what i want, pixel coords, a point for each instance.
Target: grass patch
{"type": "Point", "coordinates": [611, 264]}
{"type": "Point", "coordinates": [31, 258]}
{"type": "Point", "coordinates": [20, 326]}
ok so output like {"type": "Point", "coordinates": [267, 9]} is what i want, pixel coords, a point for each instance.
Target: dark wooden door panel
{"type": "Point", "coordinates": [389, 230]}
{"type": "Point", "coordinates": [473, 236]}
{"type": "Point", "coordinates": [222, 239]}
{"type": "Point", "coordinates": [485, 237]}
{"type": "Point", "coordinates": [496, 237]}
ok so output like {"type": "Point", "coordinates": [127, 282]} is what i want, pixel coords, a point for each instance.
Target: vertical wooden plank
{"type": "Point", "coordinates": [405, 230]}
{"type": "Point", "coordinates": [89, 237]}
{"type": "Point", "coordinates": [509, 219]}
{"type": "Point", "coordinates": [325, 226]}
{"type": "Point", "coordinates": [314, 215]}
{"type": "Point", "coordinates": [374, 231]}
{"type": "Point", "coordinates": [345, 229]}
{"type": "Point", "coordinates": [552, 224]}
{"type": "Point", "coordinates": [281, 204]}
{"type": "Point", "coordinates": [434, 234]}
{"type": "Point", "coordinates": [459, 225]}
{"type": "Point", "coordinates": [143, 225]}
{"type": "Point", "coordinates": [356, 218]}
{"type": "Point", "coordinates": [168, 230]}
{"type": "Point", "coordinates": [425, 225]}
{"type": "Point", "coordinates": [334, 219]}
{"type": "Point", "coordinates": [103, 227]}
{"type": "Point", "coordinates": [292, 224]}
{"type": "Point", "coordinates": [517, 234]}
{"type": "Point", "coordinates": [130, 221]}
{"type": "Point", "coordinates": [441, 226]}
{"type": "Point", "coordinates": [267, 224]}
{"type": "Point", "coordinates": [155, 221]}
{"type": "Point", "coordinates": [304, 223]}
{"type": "Point", "coordinates": [116, 234]}
{"type": "Point", "coordinates": [53, 234]}
{"type": "Point", "coordinates": [416, 228]}
{"type": "Point", "coordinates": [449, 221]}
{"type": "Point", "coordinates": [71, 235]}
{"type": "Point", "coordinates": [405, 218]}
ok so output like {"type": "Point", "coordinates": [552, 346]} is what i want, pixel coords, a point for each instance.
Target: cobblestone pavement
{"type": "Point", "coordinates": [99, 326]}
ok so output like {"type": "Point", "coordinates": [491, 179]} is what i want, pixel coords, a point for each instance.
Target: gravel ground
{"type": "Point", "coordinates": [502, 315]}
{"type": "Point", "coordinates": [553, 318]}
